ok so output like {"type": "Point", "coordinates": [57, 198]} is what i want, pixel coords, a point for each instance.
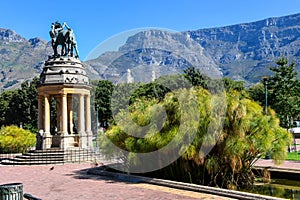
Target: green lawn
{"type": "Point", "coordinates": [293, 156]}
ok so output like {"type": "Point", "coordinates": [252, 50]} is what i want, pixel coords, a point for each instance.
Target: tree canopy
{"type": "Point", "coordinates": [282, 91]}
{"type": "Point", "coordinates": [102, 101]}
{"type": "Point", "coordinates": [20, 106]}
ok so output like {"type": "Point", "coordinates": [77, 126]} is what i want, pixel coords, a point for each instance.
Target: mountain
{"type": "Point", "coordinates": [20, 59]}
{"type": "Point", "coordinates": [246, 51]}
{"type": "Point", "coordinates": [153, 51]}
{"type": "Point", "coordinates": [242, 52]}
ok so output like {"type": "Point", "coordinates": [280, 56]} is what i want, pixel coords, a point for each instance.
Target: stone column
{"type": "Point", "coordinates": [88, 121]}
{"type": "Point", "coordinates": [64, 128]}
{"type": "Point", "coordinates": [58, 114]}
{"type": "Point", "coordinates": [40, 113]}
{"type": "Point", "coordinates": [70, 114]}
{"type": "Point", "coordinates": [46, 135]}
{"type": "Point", "coordinates": [39, 139]}
{"type": "Point", "coordinates": [81, 125]}
{"type": "Point", "coordinates": [56, 135]}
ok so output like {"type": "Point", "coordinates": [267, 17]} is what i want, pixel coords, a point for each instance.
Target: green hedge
{"type": "Point", "coordinates": [15, 140]}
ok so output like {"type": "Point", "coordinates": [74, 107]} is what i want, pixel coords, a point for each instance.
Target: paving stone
{"type": "Point", "coordinates": [70, 181]}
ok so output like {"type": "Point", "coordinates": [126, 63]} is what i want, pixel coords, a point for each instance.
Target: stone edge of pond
{"type": "Point", "coordinates": [180, 185]}
{"type": "Point", "coordinates": [278, 169]}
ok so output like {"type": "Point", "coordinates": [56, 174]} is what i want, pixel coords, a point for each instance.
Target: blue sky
{"type": "Point", "coordinates": [94, 21]}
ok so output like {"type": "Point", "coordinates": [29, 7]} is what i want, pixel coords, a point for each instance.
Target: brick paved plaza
{"type": "Point", "coordinates": [70, 181]}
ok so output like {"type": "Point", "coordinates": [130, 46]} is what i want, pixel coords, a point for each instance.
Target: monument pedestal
{"type": "Point", "coordinates": [56, 141]}
{"type": "Point", "coordinates": [47, 140]}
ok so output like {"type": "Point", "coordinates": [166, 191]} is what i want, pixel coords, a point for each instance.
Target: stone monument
{"type": "Point", "coordinates": [64, 117]}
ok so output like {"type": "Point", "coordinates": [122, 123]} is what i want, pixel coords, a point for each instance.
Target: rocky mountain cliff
{"type": "Point", "coordinates": [241, 52]}
{"type": "Point", "coordinates": [246, 51]}
{"type": "Point", "coordinates": [153, 53]}
{"type": "Point", "coordinates": [20, 59]}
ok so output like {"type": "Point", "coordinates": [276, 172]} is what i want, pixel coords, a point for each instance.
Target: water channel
{"type": "Point", "coordinates": [283, 188]}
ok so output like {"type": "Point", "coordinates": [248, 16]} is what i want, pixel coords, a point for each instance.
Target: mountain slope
{"type": "Point", "coordinates": [241, 52]}
{"type": "Point", "coordinates": [246, 51]}
{"type": "Point", "coordinates": [152, 51]}
{"type": "Point", "coordinates": [20, 59]}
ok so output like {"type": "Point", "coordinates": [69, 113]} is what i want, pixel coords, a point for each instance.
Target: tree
{"type": "Point", "coordinates": [257, 93]}
{"type": "Point", "coordinates": [32, 96]}
{"type": "Point", "coordinates": [103, 93]}
{"type": "Point", "coordinates": [5, 99]}
{"type": "Point", "coordinates": [196, 77]}
{"type": "Point", "coordinates": [149, 90]}
{"type": "Point", "coordinates": [160, 87]}
{"type": "Point", "coordinates": [17, 108]}
{"type": "Point", "coordinates": [230, 84]}
{"type": "Point", "coordinates": [20, 106]}
{"type": "Point", "coordinates": [284, 91]}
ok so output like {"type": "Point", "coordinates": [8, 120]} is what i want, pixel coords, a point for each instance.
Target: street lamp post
{"type": "Point", "coordinates": [97, 128]}
{"type": "Point", "coordinates": [265, 80]}
{"type": "Point", "coordinates": [96, 108]}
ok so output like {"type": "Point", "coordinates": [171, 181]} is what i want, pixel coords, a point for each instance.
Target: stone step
{"type": "Point", "coordinates": [50, 156]}
{"type": "Point", "coordinates": [43, 154]}
{"type": "Point", "coordinates": [14, 162]}
{"type": "Point", "coordinates": [46, 150]}
{"type": "Point", "coordinates": [33, 158]}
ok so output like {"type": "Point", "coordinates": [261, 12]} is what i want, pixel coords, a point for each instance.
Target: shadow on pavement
{"type": "Point", "coordinates": [103, 172]}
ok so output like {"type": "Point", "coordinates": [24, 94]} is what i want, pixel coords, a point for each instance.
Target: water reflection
{"type": "Point", "coordinates": [279, 188]}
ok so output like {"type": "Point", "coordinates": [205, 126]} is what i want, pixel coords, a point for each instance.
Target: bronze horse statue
{"type": "Point", "coordinates": [65, 38]}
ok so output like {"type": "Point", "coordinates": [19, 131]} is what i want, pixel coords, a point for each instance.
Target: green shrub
{"type": "Point", "coordinates": [230, 134]}
{"type": "Point", "coordinates": [15, 140]}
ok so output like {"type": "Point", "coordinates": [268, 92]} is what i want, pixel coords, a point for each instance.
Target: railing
{"type": "Point", "coordinates": [52, 156]}
{"type": "Point", "coordinates": [94, 155]}
{"type": "Point", "coordinates": [5, 155]}
{"type": "Point", "coordinates": [294, 150]}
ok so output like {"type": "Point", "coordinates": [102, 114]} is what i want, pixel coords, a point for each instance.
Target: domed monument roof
{"type": "Point", "coordinates": [64, 68]}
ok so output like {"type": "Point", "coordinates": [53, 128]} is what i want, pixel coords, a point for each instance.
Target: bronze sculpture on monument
{"type": "Point", "coordinates": [65, 38]}
{"type": "Point", "coordinates": [64, 83]}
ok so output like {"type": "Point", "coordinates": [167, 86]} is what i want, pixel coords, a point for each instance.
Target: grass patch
{"type": "Point", "coordinates": [293, 156]}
